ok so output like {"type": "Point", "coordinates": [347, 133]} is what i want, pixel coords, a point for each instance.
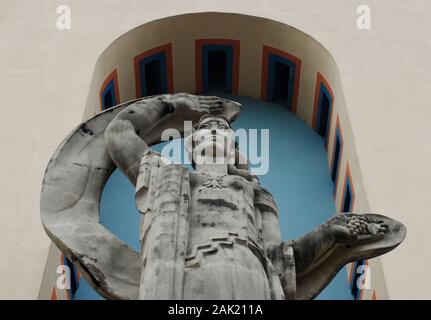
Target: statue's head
{"type": "Point", "coordinates": [213, 141]}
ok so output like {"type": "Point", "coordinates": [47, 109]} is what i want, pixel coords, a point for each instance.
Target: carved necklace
{"type": "Point", "coordinates": [213, 181]}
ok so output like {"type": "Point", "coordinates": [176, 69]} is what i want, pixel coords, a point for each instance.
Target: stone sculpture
{"type": "Point", "coordinates": [211, 233]}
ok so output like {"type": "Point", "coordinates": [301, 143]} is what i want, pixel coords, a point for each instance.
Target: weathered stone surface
{"type": "Point", "coordinates": [208, 234]}
{"type": "Point", "coordinates": [70, 203]}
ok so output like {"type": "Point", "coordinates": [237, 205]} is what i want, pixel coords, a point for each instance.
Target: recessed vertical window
{"type": "Point", "coordinates": [109, 93]}
{"type": "Point", "coordinates": [348, 196]}
{"type": "Point", "coordinates": [280, 80]}
{"type": "Point", "coordinates": [153, 72]}
{"type": "Point", "coordinates": [323, 102]}
{"type": "Point", "coordinates": [336, 159]}
{"type": "Point", "coordinates": [108, 99]}
{"type": "Point", "coordinates": [347, 202]}
{"type": "Point", "coordinates": [154, 84]}
{"type": "Point", "coordinates": [281, 83]}
{"type": "Point", "coordinates": [359, 273]}
{"type": "Point", "coordinates": [217, 71]}
{"type": "Point", "coordinates": [325, 105]}
{"type": "Point", "coordinates": [280, 77]}
{"type": "Point", "coordinates": [153, 75]}
{"type": "Point", "coordinates": [72, 276]}
{"type": "Point", "coordinates": [217, 66]}
{"type": "Point", "coordinates": [336, 154]}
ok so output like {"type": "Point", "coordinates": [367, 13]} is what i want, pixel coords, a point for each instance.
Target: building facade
{"type": "Point", "coordinates": [346, 108]}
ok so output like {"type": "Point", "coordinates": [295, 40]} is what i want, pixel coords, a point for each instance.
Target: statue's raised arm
{"type": "Point", "coordinates": [126, 133]}
{"type": "Point", "coordinates": [81, 165]}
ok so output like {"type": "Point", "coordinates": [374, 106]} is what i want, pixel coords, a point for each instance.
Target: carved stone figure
{"type": "Point", "coordinates": [211, 233]}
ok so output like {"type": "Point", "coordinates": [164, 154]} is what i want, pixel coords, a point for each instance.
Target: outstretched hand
{"type": "Point", "coordinates": [190, 106]}
{"type": "Point", "coordinates": [357, 229]}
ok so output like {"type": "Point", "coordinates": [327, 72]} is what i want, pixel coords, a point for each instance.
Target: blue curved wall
{"type": "Point", "coordinates": [298, 178]}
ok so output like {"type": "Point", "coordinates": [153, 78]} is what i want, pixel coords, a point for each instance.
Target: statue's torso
{"type": "Point", "coordinates": [199, 236]}
{"type": "Point", "coordinates": [221, 206]}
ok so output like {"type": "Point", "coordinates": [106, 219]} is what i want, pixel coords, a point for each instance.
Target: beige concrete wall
{"type": "Point", "coordinates": [384, 74]}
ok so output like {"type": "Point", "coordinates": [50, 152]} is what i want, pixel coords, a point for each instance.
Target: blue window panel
{"type": "Point", "coordinates": [272, 61]}
{"type": "Point", "coordinates": [347, 200]}
{"type": "Point", "coordinates": [336, 159]}
{"type": "Point", "coordinates": [358, 271]}
{"type": "Point", "coordinates": [324, 112]}
{"type": "Point", "coordinates": [108, 96]}
{"type": "Point", "coordinates": [145, 78]}
{"type": "Point", "coordinates": [73, 277]}
{"type": "Point", "coordinates": [228, 50]}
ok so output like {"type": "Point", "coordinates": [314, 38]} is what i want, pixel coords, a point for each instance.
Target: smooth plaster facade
{"type": "Point", "coordinates": [380, 78]}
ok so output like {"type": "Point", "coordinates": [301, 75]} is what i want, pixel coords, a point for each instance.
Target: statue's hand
{"type": "Point", "coordinates": [356, 229]}
{"type": "Point", "coordinates": [189, 106]}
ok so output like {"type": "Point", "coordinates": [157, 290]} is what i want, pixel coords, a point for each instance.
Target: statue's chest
{"type": "Point", "coordinates": [211, 192]}
{"type": "Point", "coordinates": [220, 202]}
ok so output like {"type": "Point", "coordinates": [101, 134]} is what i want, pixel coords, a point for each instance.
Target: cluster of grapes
{"type": "Point", "coordinates": [358, 225]}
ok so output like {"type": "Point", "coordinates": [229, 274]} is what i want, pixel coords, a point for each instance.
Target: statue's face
{"type": "Point", "coordinates": [214, 138]}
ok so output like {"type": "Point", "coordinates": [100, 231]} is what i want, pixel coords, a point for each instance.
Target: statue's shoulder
{"type": "Point", "coordinates": [264, 199]}
{"type": "Point", "coordinates": [150, 165]}
{"type": "Point", "coordinates": [152, 158]}
{"type": "Point", "coordinates": [157, 179]}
